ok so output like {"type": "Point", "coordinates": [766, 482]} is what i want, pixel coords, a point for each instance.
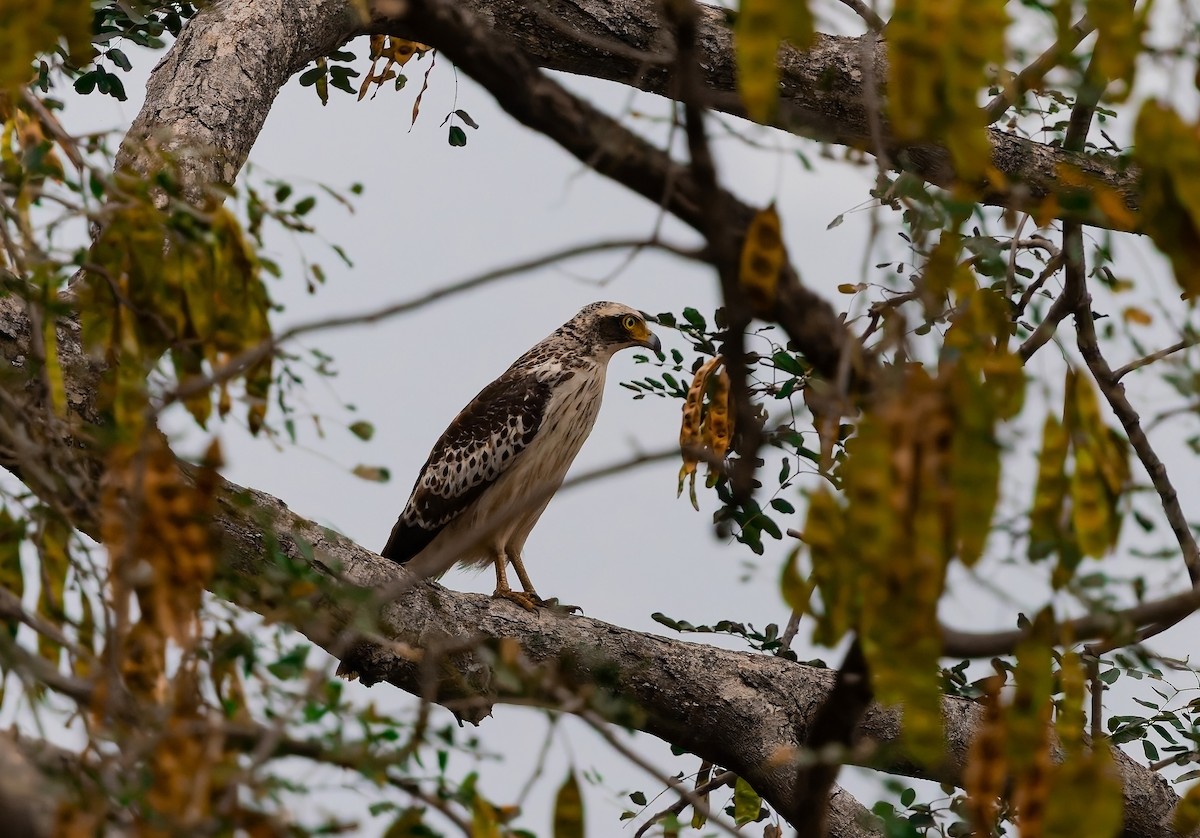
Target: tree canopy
{"type": "Point", "coordinates": [999, 409]}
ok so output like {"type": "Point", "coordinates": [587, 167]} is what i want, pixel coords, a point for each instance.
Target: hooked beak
{"type": "Point", "coordinates": [645, 337]}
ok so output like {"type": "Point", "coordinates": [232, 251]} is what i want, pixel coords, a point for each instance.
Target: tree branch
{"type": "Point", "coordinates": [821, 90]}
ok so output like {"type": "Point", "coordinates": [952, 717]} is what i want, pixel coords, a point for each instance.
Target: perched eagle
{"type": "Point", "coordinates": [491, 474]}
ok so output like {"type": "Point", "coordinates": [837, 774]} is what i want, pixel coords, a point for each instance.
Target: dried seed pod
{"type": "Point", "coordinates": [691, 434]}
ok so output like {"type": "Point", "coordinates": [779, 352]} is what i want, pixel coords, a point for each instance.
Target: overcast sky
{"type": "Point", "coordinates": [432, 214]}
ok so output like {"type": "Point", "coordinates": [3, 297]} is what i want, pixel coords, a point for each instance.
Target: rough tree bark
{"type": "Point", "coordinates": [209, 98]}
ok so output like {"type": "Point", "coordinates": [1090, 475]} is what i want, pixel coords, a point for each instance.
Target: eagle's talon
{"type": "Point", "coordinates": [560, 607]}
{"type": "Point", "coordinates": [527, 601]}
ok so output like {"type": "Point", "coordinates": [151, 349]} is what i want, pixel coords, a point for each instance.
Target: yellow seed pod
{"type": "Point", "coordinates": [691, 436]}
{"type": "Point", "coordinates": [763, 257]}
{"type": "Point", "coordinates": [718, 421]}
{"type": "Point", "coordinates": [986, 772]}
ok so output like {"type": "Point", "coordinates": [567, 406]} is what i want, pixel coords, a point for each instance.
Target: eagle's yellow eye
{"type": "Point", "coordinates": [629, 322]}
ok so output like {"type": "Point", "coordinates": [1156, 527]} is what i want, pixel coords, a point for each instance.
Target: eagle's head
{"type": "Point", "coordinates": [605, 328]}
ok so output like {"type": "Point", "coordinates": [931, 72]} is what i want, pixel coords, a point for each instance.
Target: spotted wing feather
{"type": "Point", "coordinates": [481, 444]}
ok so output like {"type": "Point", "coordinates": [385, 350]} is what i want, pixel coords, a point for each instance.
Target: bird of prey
{"type": "Point", "coordinates": [493, 471]}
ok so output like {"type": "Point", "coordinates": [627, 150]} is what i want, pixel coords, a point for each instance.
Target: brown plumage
{"type": "Point", "coordinates": [492, 472]}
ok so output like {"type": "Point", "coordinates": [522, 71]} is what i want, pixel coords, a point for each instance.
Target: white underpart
{"type": "Point", "coordinates": [501, 519]}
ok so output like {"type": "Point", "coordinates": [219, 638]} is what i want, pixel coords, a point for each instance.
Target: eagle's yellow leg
{"type": "Point", "coordinates": [527, 599]}
{"type": "Point", "coordinates": [519, 567]}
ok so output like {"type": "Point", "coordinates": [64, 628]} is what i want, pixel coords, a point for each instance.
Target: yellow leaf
{"type": "Point", "coordinates": [1168, 151]}
{"type": "Point", "coordinates": [834, 568]}
{"type": "Point", "coordinates": [796, 590]}
{"type": "Point", "coordinates": [1119, 41]}
{"type": "Point", "coordinates": [976, 468]}
{"type": "Point", "coordinates": [1133, 314]}
{"type": "Point", "coordinates": [718, 420]}
{"type": "Point", "coordinates": [1028, 741]}
{"type": "Point", "coordinates": [35, 26]}
{"type": "Point", "coordinates": [1086, 798]}
{"type": "Point", "coordinates": [86, 637]}
{"type": "Point", "coordinates": [763, 257]}
{"type": "Point", "coordinates": [691, 430]}
{"type": "Point", "coordinates": [1004, 374]}
{"type": "Point", "coordinates": [1090, 510]}
{"type": "Point", "coordinates": [939, 52]}
{"type": "Point", "coordinates": [1071, 718]}
{"type": "Point", "coordinates": [760, 27]}
{"type": "Point", "coordinates": [54, 537]}
{"type": "Point", "coordinates": [568, 809]}
{"type": "Point", "coordinates": [484, 823]}
{"type": "Point", "coordinates": [1045, 519]}
{"type": "Point", "coordinates": [1187, 812]}
{"type": "Point", "coordinates": [986, 771]}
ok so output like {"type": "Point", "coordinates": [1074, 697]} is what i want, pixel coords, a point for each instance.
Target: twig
{"type": "Point", "coordinates": [870, 17]}
{"type": "Point", "coordinates": [1059, 309]}
{"type": "Point", "coordinates": [693, 799]}
{"type": "Point", "coordinates": [1096, 686]}
{"type": "Point", "coordinates": [1032, 75]}
{"type": "Point", "coordinates": [1089, 345]}
{"type": "Point", "coordinates": [1155, 356]}
{"type": "Point", "coordinates": [1010, 276]}
{"type": "Point", "coordinates": [1052, 267]}
{"type": "Point", "coordinates": [789, 633]}
{"type": "Point", "coordinates": [702, 789]}
{"type": "Point", "coordinates": [1125, 622]}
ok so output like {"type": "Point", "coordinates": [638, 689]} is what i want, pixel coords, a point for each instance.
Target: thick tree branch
{"type": "Point", "coordinates": [822, 91]}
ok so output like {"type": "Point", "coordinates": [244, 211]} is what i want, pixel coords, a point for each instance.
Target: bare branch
{"type": "Point", "coordinates": [1120, 627]}
{"type": "Point", "coordinates": [1154, 357]}
{"type": "Point", "coordinates": [870, 17]}
{"type": "Point", "coordinates": [1032, 75]}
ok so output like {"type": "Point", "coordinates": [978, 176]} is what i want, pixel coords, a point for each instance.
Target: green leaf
{"type": "Point", "coordinates": [783, 506]}
{"type": "Point", "coordinates": [458, 137]}
{"type": "Point", "coordinates": [119, 58]}
{"type": "Point", "coordinates": [86, 83]}
{"type": "Point", "coordinates": [694, 318]}
{"type": "Point", "coordinates": [307, 78]}
{"type": "Point", "coordinates": [363, 430]}
{"type": "Point", "coordinates": [746, 803]}
{"type": "Point", "coordinates": [291, 664]}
